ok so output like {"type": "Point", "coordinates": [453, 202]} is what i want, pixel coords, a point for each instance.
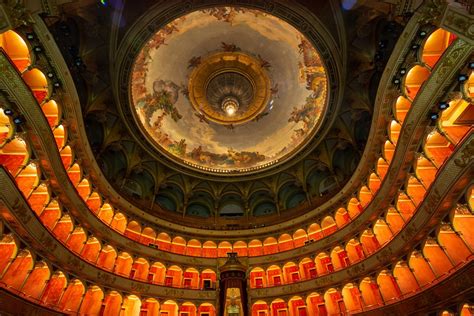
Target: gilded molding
{"type": "Point", "coordinates": [459, 22]}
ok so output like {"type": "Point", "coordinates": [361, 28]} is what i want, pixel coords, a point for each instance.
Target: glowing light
{"type": "Point", "coordinates": [230, 105]}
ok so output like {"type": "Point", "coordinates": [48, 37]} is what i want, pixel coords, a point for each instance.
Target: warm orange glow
{"type": "Point", "coordinates": [6, 128]}
{"type": "Point", "coordinates": [435, 46]}
{"type": "Point", "coordinates": [38, 84]}
{"type": "Point", "coordinates": [415, 77]}
{"type": "Point", "coordinates": [16, 49]}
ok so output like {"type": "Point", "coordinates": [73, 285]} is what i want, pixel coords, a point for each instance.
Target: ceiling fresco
{"type": "Point", "coordinates": [228, 90]}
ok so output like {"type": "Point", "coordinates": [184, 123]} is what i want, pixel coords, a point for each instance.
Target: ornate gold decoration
{"type": "Point", "coordinates": [222, 63]}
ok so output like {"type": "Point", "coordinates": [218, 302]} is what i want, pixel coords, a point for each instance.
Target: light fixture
{"type": "Point", "coordinates": [18, 120]}
{"type": "Point", "coordinates": [230, 105]}
{"type": "Point", "coordinates": [443, 105]}
{"type": "Point", "coordinates": [462, 77]}
{"type": "Point", "coordinates": [434, 116]}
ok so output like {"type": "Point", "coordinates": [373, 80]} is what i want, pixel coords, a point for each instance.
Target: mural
{"type": "Point", "coordinates": [159, 90]}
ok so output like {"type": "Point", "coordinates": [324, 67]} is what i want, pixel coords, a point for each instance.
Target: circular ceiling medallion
{"type": "Point", "coordinates": [228, 90]}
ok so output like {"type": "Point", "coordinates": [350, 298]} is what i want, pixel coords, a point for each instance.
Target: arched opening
{"type": "Point", "coordinates": [352, 298]}
{"type": "Point", "coordinates": [72, 297]}
{"type": "Point", "coordinates": [342, 217]}
{"type": "Point", "coordinates": [297, 306]}
{"type": "Point", "coordinates": [355, 252]}
{"type": "Point", "coordinates": [27, 179]}
{"type": "Point", "coordinates": [324, 264]}
{"type": "Point", "coordinates": [131, 306]}
{"type": "Point", "coordinates": [300, 238]}
{"type": "Point", "coordinates": [435, 45]}
{"type": "Point", "coordinates": [36, 281]}
{"type": "Point", "coordinates": [92, 301]}
{"type": "Point", "coordinates": [76, 240]}
{"type": "Point", "coordinates": [240, 247]}
{"type": "Point", "coordinates": [14, 155]}
{"type": "Point", "coordinates": [291, 273]}
{"type": "Point", "coordinates": [187, 309]}
{"type": "Point", "coordinates": [8, 251]}
{"type": "Point", "coordinates": [223, 248]}
{"type": "Point", "coordinates": [209, 249]}
{"type": "Point", "coordinates": [369, 290]}
{"type": "Point", "coordinates": [133, 231]}
{"type": "Point", "coordinates": [308, 269]}
{"type": "Point", "coordinates": [382, 232]}
{"type": "Point", "coordinates": [334, 302]}
{"type": "Point", "coordinates": [16, 49]}
{"type": "Point", "coordinates": [369, 242]}
{"type": "Point", "coordinates": [255, 248]}
{"type": "Point", "coordinates": [178, 245]}
{"type": "Point", "coordinates": [191, 279]}
{"type": "Point", "coordinates": [157, 273]}
{"type": "Point", "coordinates": [169, 308]}
{"type": "Point", "coordinates": [414, 79]}
{"type": "Point", "coordinates": [206, 309]}
{"type": "Point", "coordinates": [339, 258]}
{"type": "Point", "coordinates": [258, 279]}
{"type": "Point", "coordinates": [454, 246]}
{"type": "Point", "coordinates": [140, 270]}
{"type": "Point", "coordinates": [91, 250]}
{"type": "Point", "coordinates": [163, 241]}
{"type": "Point", "coordinates": [260, 308]}
{"type": "Point", "coordinates": [437, 258]}
{"type": "Point", "coordinates": [278, 307]}
{"type": "Point", "coordinates": [119, 223]}
{"type": "Point", "coordinates": [150, 307]}
{"type": "Point", "coordinates": [63, 228]}
{"type": "Point", "coordinates": [421, 269]}
{"type": "Point", "coordinates": [274, 276]}
{"type": "Point", "coordinates": [39, 198]}
{"type": "Point", "coordinates": [314, 232]}
{"type": "Point", "coordinates": [193, 248]}
{"type": "Point", "coordinates": [388, 286]}
{"type": "Point", "coordinates": [270, 245]}
{"type": "Point", "coordinates": [174, 276]}
{"type": "Point", "coordinates": [37, 83]}
{"type": "Point", "coordinates": [328, 226]}
{"type": "Point", "coordinates": [315, 304]}
{"type": "Point", "coordinates": [112, 304]}
{"type": "Point", "coordinates": [285, 242]}
{"type": "Point", "coordinates": [208, 279]}
{"type": "Point", "coordinates": [405, 278]}
{"type": "Point", "coordinates": [54, 289]}
{"type": "Point", "coordinates": [123, 264]}
{"type": "Point", "coordinates": [106, 259]}
{"type": "Point", "coordinates": [94, 201]}
{"type": "Point", "coordinates": [18, 270]}
{"type": "Point", "coordinates": [148, 236]}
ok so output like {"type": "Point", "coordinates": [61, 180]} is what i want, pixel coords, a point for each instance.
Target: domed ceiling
{"type": "Point", "coordinates": [228, 90]}
{"type": "Point", "coordinates": [224, 117]}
